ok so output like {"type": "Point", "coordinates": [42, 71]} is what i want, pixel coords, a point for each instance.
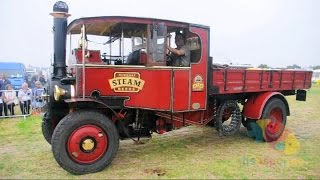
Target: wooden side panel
{"type": "Point", "coordinates": [241, 80]}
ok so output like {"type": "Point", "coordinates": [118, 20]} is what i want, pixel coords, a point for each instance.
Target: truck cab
{"type": "Point", "coordinates": [139, 45]}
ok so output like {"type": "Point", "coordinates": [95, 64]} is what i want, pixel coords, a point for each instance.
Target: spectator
{"type": "Point", "coordinates": [2, 87]}
{"type": "Point", "coordinates": [38, 77]}
{"type": "Point", "coordinates": [3, 82]}
{"type": "Point", "coordinates": [37, 101]}
{"type": "Point", "coordinates": [24, 96]}
{"type": "Point", "coordinates": [1, 105]}
{"type": "Point", "coordinates": [9, 97]}
{"type": "Point", "coordinates": [28, 79]}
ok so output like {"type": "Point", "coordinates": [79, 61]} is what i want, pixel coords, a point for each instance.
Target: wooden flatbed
{"type": "Point", "coordinates": [227, 80]}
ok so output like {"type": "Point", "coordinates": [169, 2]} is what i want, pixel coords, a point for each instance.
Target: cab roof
{"type": "Point", "coordinates": [104, 25]}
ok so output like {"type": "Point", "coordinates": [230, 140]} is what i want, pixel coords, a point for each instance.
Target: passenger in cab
{"type": "Point", "coordinates": [179, 56]}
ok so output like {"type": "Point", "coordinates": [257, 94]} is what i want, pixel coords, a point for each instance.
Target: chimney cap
{"type": "Point", "coordinates": [60, 6]}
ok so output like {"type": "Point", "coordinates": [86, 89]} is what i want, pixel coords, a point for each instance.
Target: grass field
{"type": "Point", "coordinates": [191, 152]}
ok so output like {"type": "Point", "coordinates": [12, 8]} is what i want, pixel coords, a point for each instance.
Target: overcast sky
{"type": "Point", "coordinates": [273, 32]}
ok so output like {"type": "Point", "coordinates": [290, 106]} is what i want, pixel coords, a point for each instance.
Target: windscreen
{"type": "Point", "coordinates": [157, 43]}
{"type": "Point", "coordinates": [115, 42]}
{"type": "Point", "coordinates": [13, 73]}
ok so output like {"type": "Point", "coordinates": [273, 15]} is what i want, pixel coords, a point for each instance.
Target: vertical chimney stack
{"type": "Point", "coordinates": [60, 22]}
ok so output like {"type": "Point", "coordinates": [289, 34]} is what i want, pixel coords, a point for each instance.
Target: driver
{"type": "Point", "coordinates": [180, 56]}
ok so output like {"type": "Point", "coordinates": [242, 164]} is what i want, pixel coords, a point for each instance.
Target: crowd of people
{"type": "Point", "coordinates": [29, 99]}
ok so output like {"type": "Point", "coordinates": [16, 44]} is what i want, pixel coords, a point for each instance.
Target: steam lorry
{"type": "Point", "coordinates": [126, 89]}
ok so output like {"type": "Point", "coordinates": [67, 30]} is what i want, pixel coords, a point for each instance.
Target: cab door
{"type": "Point", "coordinates": [189, 92]}
{"type": "Point", "coordinates": [199, 52]}
{"type": "Point", "coordinates": [181, 89]}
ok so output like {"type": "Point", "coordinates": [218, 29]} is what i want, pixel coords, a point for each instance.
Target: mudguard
{"type": "Point", "coordinates": [254, 106]}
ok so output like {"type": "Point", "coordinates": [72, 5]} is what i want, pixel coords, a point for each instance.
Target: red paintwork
{"type": "Point", "coordinates": [84, 132]}
{"type": "Point", "coordinates": [242, 80]}
{"type": "Point", "coordinates": [195, 117]}
{"type": "Point", "coordinates": [94, 56]}
{"type": "Point", "coordinates": [170, 89]}
{"type": "Point", "coordinates": [161, 125]}
{"type": "Point", "coordinates": [154, 95]}
{"type": "Point", "coordinates": [254, 106]}
{"type": "Point", "coordinates": [181, 90]}
{"type": "Point", "coordinates": [200, 68]}
{"type": "Point", "coordinates": [143, 58]}
{"type": "Point", "coordinates": [276, 121]}
{"type": "Point", "coordinates": [165, 88]}
{"type": "Point", "coordinates": [275, 125]}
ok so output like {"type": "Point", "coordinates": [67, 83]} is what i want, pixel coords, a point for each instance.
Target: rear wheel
{"type": "Point", "coordinates": [85, 142]}
{"type": "Point", "coordinates": [272, 123]}
{"type": "Point", "coordinates": [276, 116]}
{"type": "Point", "coordinates": [47, 128]}
{"type": "Point", "coordinates": [49, 122]}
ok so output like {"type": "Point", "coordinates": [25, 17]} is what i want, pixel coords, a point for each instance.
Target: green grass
{"type": "Point", "coordinates": [192, 152]}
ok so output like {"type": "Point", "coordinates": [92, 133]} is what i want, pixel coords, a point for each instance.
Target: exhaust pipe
{"type": "Point", "coordinates": [60, 22]}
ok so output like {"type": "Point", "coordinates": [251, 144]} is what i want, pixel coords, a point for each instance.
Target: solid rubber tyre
{"type": "Point", "coordinates": [272, 122]}
{"type": "Point", "coordinates": [70, 124]}
{"type": "Point", "coordinates": [235, 116]}
{"type": "Point", "coordinates": [275, 110]}
{"type": "Point", "coordinates": [47, 129]}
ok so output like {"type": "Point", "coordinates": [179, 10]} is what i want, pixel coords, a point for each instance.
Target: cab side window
{"type": "Point", "coordinates": [194, 45]}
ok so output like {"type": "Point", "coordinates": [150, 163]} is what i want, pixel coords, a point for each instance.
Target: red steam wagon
{"type": "Point", "coordinates": [134, 89]}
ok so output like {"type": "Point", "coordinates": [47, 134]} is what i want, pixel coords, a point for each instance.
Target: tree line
{"type": "Point", "coordinates": [293, 66]}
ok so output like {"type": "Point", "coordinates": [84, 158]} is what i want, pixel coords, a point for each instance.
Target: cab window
{"type": "Point", "coordinates": [156, 45]}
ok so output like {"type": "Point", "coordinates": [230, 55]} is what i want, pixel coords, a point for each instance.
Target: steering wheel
{"type": "Point", "coordinates": [169, 57]}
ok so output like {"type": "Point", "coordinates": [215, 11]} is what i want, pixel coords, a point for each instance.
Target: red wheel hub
{"type": "Point", "coordinates": [87, 144]}
{"type": "Point", "coordinates": [276, 124]}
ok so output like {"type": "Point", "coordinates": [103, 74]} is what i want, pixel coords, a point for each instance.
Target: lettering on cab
{"type": "Point", "coordinates": [126, 82]}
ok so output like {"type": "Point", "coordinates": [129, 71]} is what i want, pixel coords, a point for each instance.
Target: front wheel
{"type": "Point", "coordinates": [85, 142]}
